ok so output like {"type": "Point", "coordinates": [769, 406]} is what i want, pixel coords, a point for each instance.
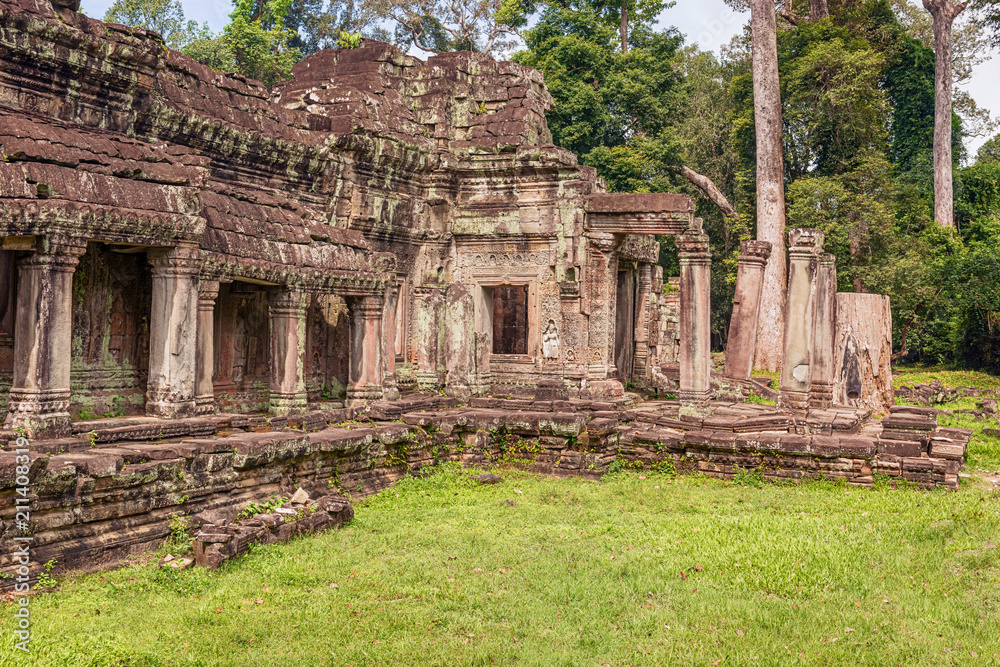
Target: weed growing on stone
{"type": "Point", "coordinates": [253, 509]}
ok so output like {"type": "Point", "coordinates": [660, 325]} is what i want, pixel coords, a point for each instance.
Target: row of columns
{"type": "Point", "coordinates": [181, 340]}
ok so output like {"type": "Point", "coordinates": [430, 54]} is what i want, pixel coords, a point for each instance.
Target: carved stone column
{"type": "Point", "coordinates": [746, 306]}
{"type": "Point", "coordinates": [390, 390]}
{"type": "Point", "coordinates": [288, 339]}
{"type": "Point", "coordinates": [483, 376]}
{"type": "Point", "coordinates": [365, 378]}
{"type": "Point", "coordinates": [695, 324]}
{"type": "Point", "coordinates": [823, 367]}
{"type": "Point", "coordinates": [173, 332]}
{"type": "Point", "coordinates": [460, 343]}
{"type": "Point", "coordinates": [39, 396]}
{"type": "Point", "coordinates": [204, 397]}
{"type": "Point", "coordinates": [600, 288]}
{"type": "Point", "coordinates": [640, 364]}
{"type": "Point", "coordinates": [429, 335]}
{"type": "Point", "coordinates": [803, 247]}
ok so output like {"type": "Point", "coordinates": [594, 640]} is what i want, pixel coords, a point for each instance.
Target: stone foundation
{"type": "Point", "coordinates": [112, 490]}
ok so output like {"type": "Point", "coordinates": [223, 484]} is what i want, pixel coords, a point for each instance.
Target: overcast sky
{"type": "Point", "coordinates": [709, 23]}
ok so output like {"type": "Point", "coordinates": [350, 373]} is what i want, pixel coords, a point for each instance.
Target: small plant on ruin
{"type": "Point", "coordinates": [92, 436]}
{"type": "Point", "coordinates": [86, 414]}
{"type": "Point", "coordinates": [178, 542]}
{"type": "Point", "coordinates": [253, 509]}
{"type": "Point", "coordinates": [759, 400]}
{"type": "Point", "coordinates": [117, 407]}
{"type": "Point", "coordinates": [45, 578]}
{"type": "Point", "coordinates": [749, 477]}
{"type": "Point", "coordinates": [349, 40]}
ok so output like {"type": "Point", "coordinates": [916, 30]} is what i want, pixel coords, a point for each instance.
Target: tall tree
{"type": "Point", "coordinates": [770, 176]}
{"type": "Point", "coordinates": [441, 25]}
{"type": "Point", "coordinates": [318, 24]}
{"type": "Point", "coordinates": [260, 41]}
{"type": "Point", "coordinates": [818, 10]}
{"type": "Point", "coordinates": [944, 13]}
{"type": "Point", "coordinates": [165, 17]}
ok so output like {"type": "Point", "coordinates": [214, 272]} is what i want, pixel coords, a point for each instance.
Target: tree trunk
{"type": "Point", "coordinates": [624, 27]}
{"type": "Point", "coordinates": [770, 184]}
{"type": "Point", "coordinates": [944, 14]}
{"type": "Point", "coordinates": [818, 10]}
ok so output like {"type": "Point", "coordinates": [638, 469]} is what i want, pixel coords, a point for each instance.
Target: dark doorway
{"type": "Point", "coordinates": [112, 297]}
{"type": "Point", "coordinates": [625, 325]}
{"type": "Point", "coordinates": [510, 319]}
{"type": "Point", "coordinates": [242, 348]}
{"type": "Point", "coordinates": [328, 343]}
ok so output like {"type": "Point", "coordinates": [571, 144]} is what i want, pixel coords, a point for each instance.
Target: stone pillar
{"type": "Point", "coordinates": [173, 332]}
{"type": "Point", "coordinates": [863, 352]}
{"type": "Point", "coordinates": [483, 376]}
{"type": "Point", "coordinates": [204, 397]}
{"type": "Point", "coordinates": [600, 289]}
{"type": "Point", "coordinates": [803, 247]}
{"type": "Point", "coordinates": [823, 368]}
{"type": "Point", "coordinates": [390, 389]}
{"type": "Point", "coordinates": [695, 324]}
{"type": "Point", "coordinates": [460, 342]}
{"type": "Point", "coordinates": [644, 288]}
{"type": "Point", "coordinates": [429, 330]}
{"type": "Point", "coordinates": [288, 341]}
{"type": "Point", "coordinates": [39, 395]}
{"type": "Point", "coordinates": [365, 377]}
{"type": "Point", "coordinates": [746, 306]}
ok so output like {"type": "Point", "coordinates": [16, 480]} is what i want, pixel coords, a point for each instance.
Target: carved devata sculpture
{"type": "Point", "coordinates": [550, 341]}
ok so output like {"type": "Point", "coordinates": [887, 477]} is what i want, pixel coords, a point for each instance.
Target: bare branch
{"type": "Point", "coordinates": [708, 188]}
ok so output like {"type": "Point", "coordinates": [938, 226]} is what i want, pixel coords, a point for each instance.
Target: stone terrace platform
{"type": "Point", "coordinates": [113, 488]}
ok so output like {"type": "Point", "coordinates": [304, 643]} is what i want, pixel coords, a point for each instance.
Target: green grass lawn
{"type": "Point", "coordinates": [633, 570]}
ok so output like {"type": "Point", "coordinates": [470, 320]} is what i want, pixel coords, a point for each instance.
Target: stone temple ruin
{"type": "Point", "coordinates": [212, 293]}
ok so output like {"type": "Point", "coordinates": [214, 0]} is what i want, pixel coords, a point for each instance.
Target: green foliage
{"type": "Point", "coordinates": [989, 152]}
{"type": "Point", "coordinates": [165, 17]}
{"type": "Point", "coordinates": [260, 41]}
{"type": "Point", "coordinates": [178, 542]}
{"type": "Point", "coordinates": [910, 86]}
{"type": "Point", "coordinates": [749, 477]}
{"type": "Point", "coordinates": [349, 40]}
{"type": "Point", "coordinates": [322, 24]}
{"type": "Point", "coordinates": [45, 578]}
{"type": "Point", "coordinates": [614, 109]}
{"type": "Point", "coordinates": [834, 107]}
{"type": "Point", "coordinates": [253, 509]}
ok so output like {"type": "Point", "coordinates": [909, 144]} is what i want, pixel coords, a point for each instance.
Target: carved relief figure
{"type": "Point", "coordinates": [550, 341]}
